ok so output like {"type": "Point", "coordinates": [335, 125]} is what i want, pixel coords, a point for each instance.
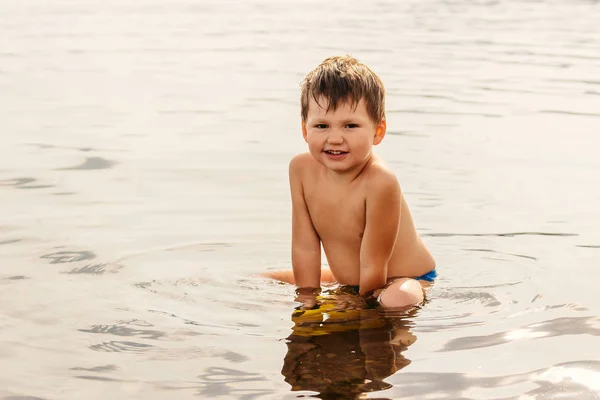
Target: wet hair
{"type": "Point", "coordinates": [341, 80]}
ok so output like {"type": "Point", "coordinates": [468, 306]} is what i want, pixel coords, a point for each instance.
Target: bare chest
{"type": "Point", "coordinates": [337, 215]}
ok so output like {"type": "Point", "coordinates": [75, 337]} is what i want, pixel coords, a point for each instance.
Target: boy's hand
{"type": "Point", "coordinates": [307, 297]}
{"type": "Point", "coordinates": [384, 203]}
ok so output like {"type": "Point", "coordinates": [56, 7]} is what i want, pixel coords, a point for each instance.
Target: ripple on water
{"type": "Point", "coordinates": [23, 183]}
{"type": "Point", "coordinates": [91, 163]}
{"type": "Point", "coordinates": [95, 269]}
{"type": "Point", "coordinates": [484, 298]}
{"type": "Point", "coordinates": [23, 398]}
{"type": "Point", "coordinates": [61, 257]}
{"type": "Point", "coordinates": [183, 289]}
{"type": "Point", "coordinates": [217, 381]}
{"type": "Point", "coordinates": [69, 256]}
{"type": "Point", "coordinates": [121, 346]}
{"type": "Point", "coordinates": [122, 330]}
{"type": "Point", "coordinates": [45, 146]}
{"type": "Point", "coordinates": [99, 368]}
{"type": "Point", "coordinates": [507, 234]}
{"type": "Point", "coordinates": [556, 327]}
{"type": "Point", "coordinates": [98, 378]}
{"type": "Point", "coordinates": [502, 253]}
{"type": "Point", "coordinates": [17, 278]}
{"type": "Point", "coordinates": [577, 380]}
{"type": "Point", "coordinates": [10, 241]}
{"type": "Point", "coordinates": [195, 353]}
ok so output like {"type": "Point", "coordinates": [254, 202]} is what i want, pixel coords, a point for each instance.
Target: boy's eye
{"type": "Point", "coordinates": [321, 126]}
{"type": "Point", "coordinates": [352, 126]}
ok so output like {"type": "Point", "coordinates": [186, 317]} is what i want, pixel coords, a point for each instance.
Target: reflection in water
{"type": "Point", "coordinates": [343, 349]}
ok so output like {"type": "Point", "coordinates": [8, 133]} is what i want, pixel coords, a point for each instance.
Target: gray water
{"type": "Point", "coordinates": [143, 186]}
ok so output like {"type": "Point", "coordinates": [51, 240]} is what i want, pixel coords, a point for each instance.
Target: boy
{"type": "Point", "coordinates": [345, 199]}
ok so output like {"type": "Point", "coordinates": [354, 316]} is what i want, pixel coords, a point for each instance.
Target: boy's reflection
{"type": "Point", "coordinates": [341, 348]}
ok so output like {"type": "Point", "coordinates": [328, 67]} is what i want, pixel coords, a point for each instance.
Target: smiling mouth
{"type": "Point", "coordinates": [335, 152]}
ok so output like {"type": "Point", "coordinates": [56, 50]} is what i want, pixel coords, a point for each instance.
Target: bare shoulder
{"type": "Point", "coordinates": [382, 180]}
{"type": "Point", "coordinates": [301, 165]}
{"type": "Point", "coordinates": [300, 162]}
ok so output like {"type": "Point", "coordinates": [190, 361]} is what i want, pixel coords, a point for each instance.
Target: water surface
{"type": "Point", "coordinates": [143, 185]}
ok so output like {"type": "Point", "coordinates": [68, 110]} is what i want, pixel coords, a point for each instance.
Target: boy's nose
{"type": "Point", "coordinates": [335, 138]}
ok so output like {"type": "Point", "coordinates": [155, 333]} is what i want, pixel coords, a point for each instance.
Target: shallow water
{"type": "Point", "coordinates": [143, 185]}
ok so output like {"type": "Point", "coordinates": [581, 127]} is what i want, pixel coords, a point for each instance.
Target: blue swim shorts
{"type": "Point", "coordinates": [429, 277]}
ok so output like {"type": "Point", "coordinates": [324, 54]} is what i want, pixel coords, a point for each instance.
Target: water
{"type": "Point", "coordinates": [143, 185]}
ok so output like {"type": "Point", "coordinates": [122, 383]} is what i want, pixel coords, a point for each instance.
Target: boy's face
{"type": "Point", "coordinates": [342, 139]}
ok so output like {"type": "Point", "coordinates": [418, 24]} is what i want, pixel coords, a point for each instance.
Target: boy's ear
{"type": "Point", "coordinates": [304, 133]}
{"type": "Point", "coordinates": [380, 132]}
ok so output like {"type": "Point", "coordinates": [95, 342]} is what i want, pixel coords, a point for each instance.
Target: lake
{"type": "Point", "coordinates": [143, 187]}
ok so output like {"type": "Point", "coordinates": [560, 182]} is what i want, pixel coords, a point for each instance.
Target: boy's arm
{"type": "Point", "coordinates": [306, 244]}
{"type": "Point", "coordinates": [381, 230]}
